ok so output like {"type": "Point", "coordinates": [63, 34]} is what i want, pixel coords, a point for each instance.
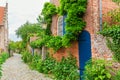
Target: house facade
{"type": "Point", "coordinates": [90, 44]}
{"type": "Point", "coordinates": [4, 28]}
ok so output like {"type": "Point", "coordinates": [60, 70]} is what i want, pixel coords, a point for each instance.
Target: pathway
{"type": "Point", "coordinates": [15, 69]}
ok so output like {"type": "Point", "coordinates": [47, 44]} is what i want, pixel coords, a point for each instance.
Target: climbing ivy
{"type": "Point", "coordinates": [115, 15]}
{"type": "Point", "coordinates": [55, 43]}
{"type": "Point", "coordinates": [40, 42]}
{"type": "Point", "coordinates": [48, 11]}
{"type": "Point", "coordinates": [74, 9]}
{"type": "Point", "coordinates": [113, 39]}
{"type": "Point", "coordinates": [117, 1]}
{"type": "Point", "coordinates": [112, 32]}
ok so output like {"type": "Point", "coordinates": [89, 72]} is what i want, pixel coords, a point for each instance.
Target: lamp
{"type": "Point", "coordinates": [44, 25]}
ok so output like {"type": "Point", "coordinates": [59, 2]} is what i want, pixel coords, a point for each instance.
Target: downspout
{"type": "Point", "coordinates": [33, 51]}
{"type": "Point", "coordinates": [100, 13]}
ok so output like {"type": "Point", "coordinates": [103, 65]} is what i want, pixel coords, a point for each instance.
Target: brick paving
{"type": "Point", "coordinates": [15, 69]}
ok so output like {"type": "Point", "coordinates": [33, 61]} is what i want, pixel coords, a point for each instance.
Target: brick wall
{"type": "Point", "coordinates": [54, 25]}
{"type": "Point", "coordinates": [4, 30]}
{"type": "Point", "coordinates": [100, 49]}
{"type": "Point", "coordinates": [56, 2]}
{"type": "Point", "coordinates": [63, 51]}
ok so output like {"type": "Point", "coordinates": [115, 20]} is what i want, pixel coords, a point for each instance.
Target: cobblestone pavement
{"type": "Point", "coordinates": [15, 69]}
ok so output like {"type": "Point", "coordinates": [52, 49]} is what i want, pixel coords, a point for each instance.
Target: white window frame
{"type": "Point", "coordinates": [60, 26]}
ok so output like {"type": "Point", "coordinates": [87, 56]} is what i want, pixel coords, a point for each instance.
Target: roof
{"type": "Point", "coordinates": [2, 9]}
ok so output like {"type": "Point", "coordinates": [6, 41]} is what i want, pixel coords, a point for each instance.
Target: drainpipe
{"type": "Point", "coordinates": [100, 12]}
{"type": "Point", "coordinates": [33, 51]}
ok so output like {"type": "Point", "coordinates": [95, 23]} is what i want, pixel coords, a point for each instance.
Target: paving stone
{"type": "Point", "coordinates": [15, 69]}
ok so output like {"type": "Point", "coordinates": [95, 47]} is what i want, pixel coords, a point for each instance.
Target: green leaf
{"type": "Point", "coordinates": [108, 75]}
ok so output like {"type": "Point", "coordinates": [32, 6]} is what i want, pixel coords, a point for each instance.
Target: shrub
{"type": "Point", "coordinates": [111, 31]}
{"type": "Point", "coordinates": [45, 66]}
{"type": "Point", "coordinates": [34, 62]}
{"type": "Point", "coordinates": [49, 65]}
{"type": "Point", "coordinates": [26, 56]}
{"type": "Point", "coordinates": [96, 70]}
{"type": "Point", "coordinates": [66, 69]}
{"type": "Point", "coordinates": [55, 43]}
{"type": "Point", "coordinates": [117, 76]}
{"type": "Point", "coordinates": [3, 58]}
{"type": "Point", "coordinates": [112, 34]}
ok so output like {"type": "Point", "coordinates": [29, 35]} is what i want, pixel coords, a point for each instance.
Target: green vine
{"type": "Point", "coordinates": [55, 43]}
{"type": "Point", "coordinates": [40, 42]}
{"type": "Point", "coordinates": [112, 32]}
{"type": "Point", "coordinates": [66, 69]}
{"type": "Point", "coordinates": [48, 11]}
{"type": "Point", "coordinates": [97, 70]}
{"type": "Point", "coordinates": [117, 1]}
{"type": "Point", "coordinates": [74, 9]}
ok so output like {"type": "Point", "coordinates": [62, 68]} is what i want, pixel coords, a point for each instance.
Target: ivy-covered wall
{"type": "Point", "coordinates": [54, 25]}
{"type": "Point", "coordinates": [63, 51]}
{"type": "Point", "coordinates": [98, 43]}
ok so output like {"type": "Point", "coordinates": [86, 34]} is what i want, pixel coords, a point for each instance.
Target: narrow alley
{"type": "Point", "coordinates": [15, 69]}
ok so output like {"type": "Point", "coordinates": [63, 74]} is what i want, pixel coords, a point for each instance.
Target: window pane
{"type": "Point", "coordinates": [60, 26]}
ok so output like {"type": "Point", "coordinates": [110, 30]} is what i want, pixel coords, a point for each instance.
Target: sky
{"type": "Point", "coordinates": [20, 11]}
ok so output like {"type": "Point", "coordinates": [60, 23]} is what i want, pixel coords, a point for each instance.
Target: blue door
{"type": "Point", "coordinates": [84, 50]}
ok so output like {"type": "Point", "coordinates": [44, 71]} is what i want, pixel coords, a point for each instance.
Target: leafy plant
{"type": "Point", "coordinates": [55, 43]}
{"type": "Point", "coordinates": [96, 70]}
{"type": "Point", "coordinates": [25, 30]}
{"type": "Point", "coordinates": [48, 11]}
{"type": "Point", "coordinates": [112, 33]}
{"type": "Point", "coordinates": [17, 46]}
{"type": "Point", "coordinates": [66, 69]}
{"type": "Point", "coordinates": [49, 65]}
{"type": "Point", "coordinates": [37, 43]}
{"type": "Point", "coordinates": [26, 56]}
{"type": "Point", "coordinates": [34, 62]}
{"type": "Point", "coordinates": [42, 41]}
{"type": "Point", "coordinates": [3, 58]}
{"type": "Point", "coordinates": [117, 76]}
{"type": "Point", "coordinates": [74, 9]}
{"type": "Point", "coordinates": [117, 1]}
{"type": "Point", "coordinates": [74, 22]}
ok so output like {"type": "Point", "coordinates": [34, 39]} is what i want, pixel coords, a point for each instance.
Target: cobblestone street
{"type": "Point", "coordinates": [15, 69]}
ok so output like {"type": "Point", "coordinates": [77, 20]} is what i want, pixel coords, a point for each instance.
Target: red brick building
{"type": "Point", "coordinates": [97, 43]}
{"type": "Point", "coordinates": [3, 28]}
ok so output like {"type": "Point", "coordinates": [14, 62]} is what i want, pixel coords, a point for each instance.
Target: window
{"type": "Point", "coordinates": [60, 26]}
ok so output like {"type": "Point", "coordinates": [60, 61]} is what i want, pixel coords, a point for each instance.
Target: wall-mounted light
{"type": "Point", "coordinates": [44, 25]}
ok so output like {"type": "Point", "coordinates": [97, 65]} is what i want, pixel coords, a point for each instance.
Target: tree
{"type": "Point", "coordinates": [12, 45]}
{"type": "Point", "coordinates": [26, 29]}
